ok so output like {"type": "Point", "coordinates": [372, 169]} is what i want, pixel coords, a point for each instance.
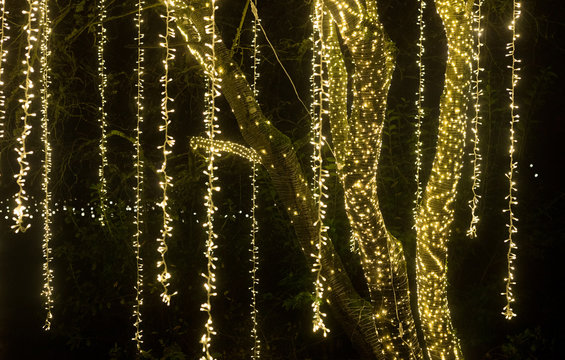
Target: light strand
{"type": "Point", "coordinates": [320, 98]}
{"type": "Point", "coordinates": [166, 180]}
{"type": "Point", "coordinates": [420, 112]}
{"type": "Point", "coordinates": [476, 122]}
{"type": "Point", "coordinates": [45, 26]}
{"type": "Point", "coordinates": [3, 54]}
{"type": "Point", "coordinates": [20, 211]}
{"type": "Point", "coordinates": [256, 348]}
{"type": "Point", "coordinates": [138, 165]}
{"type": "Point", "coordinates": [508, 312]}
{"type": "Point", "coordinates": [212, 128]}
{"type": "Point", "coordinates": [102, 85]}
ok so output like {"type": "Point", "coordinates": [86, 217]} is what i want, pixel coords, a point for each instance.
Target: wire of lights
{"type": "Point", "coordinates": [420, 105]}
{"type": "Point", "coordinates": [3, 54]}
{"type": "Point", "coordinates": [45, 26]}
{"type": "Point", "coordinates": [508, 312]}
{"type": "Point", "coordinates": [20, 211]}
{"type": "Point", "coordinates": [212, 128]}
{"type": "Point", "coordinates": [101, 40]}
{"type": "Point", "coordinates": [166, 180]}
{"type": "Point", "coordinates": [256, 347]}
{"type": "Point", "coordinates": [476, 122]}
{"type": "Point", "coordinates": [138, 165]}
{"type": "Point", "coordinates": [319, 99]}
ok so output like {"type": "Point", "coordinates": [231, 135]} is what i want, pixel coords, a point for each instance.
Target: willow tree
{"type": "Point", "coordinates": [382, 327]}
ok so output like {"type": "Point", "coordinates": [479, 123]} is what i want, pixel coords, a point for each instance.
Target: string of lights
{"type": "Point", "coordinates": [101, 40]}
{"type": "Point", "coordinates": [476, 122]}
{"type": "Point", "coordinates": [4, 27]}
{"type": "Point", "coordinates": [21, 214]}
{"type": "Point", "coordinates": [420, 113]}
{"type": "Point", "coordinates": [256, 347]}
{"type": "Point", "coordinates": [45, 26]}
{"type": "Point", "coordinates": [319, 100]}
{"type": "Point", "coordinates": [508, 312]}
{"type": "Point", "coordinates": [138, 166]}
{"type": "Point", "coordinates": [166, 180]}
{"type": "Point", "coordinates": [212, 128]}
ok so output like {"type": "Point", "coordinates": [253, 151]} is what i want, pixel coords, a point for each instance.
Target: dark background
{"type": "Point", "coordinates": [95, 266]}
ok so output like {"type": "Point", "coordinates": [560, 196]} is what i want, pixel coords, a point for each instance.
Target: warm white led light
{"type": "Point", "coordinates": [138, 166]}
{"type": "Point", "coordinates": [166, 180]}
{"type": "Point", "coordinates": [101, 40]}
{"type": "Point", "coordinates": [30, 28]}
{"type": "Point", "coordinates": [45, 27]}
{"type": "Point", "coordinates": [256, 347]}
{"type": "Point", "coordinates": [420, 105]}
{"type": "Point", "coordinates": [3, 54]}
{"type": "Point", "coordinates": [508, 312]}
{"type": "Point", "coordinates": [211, 126]}
{"type": "Point", "coordinates": [476, 122]}
{"type": "Point", "coordinates": [318, 109]}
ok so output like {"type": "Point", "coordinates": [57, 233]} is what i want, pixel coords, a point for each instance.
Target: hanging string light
{"type": "Point", "coordinates": [45, 26]}
{"type": "Point", "coordinates": [320, 99]}
{"type": "Point", "coordinates": [166, 180]}
{"type": "Point", "coordinates": [30, 28]}
{"type": "Point", "coordinates": [476, 122]}
{"type": "Point", "coordinates": [420, 105]}
{"type": "Point", "coordinates": [3, 53]}
{"type": "Point", "coordinates": [508, 312]}
{"type": "Point", "coordinates": [138, 188]}
{"type": "Point", "coordinates": [256, 347]}
{"type": "Point", "coordinates": [102, 84]}
{"type": "Point", "coordinates": [212, 128]}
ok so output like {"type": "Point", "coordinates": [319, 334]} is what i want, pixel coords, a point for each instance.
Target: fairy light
{"type": "Point", "coordinates": [166, 180]}
{"type": "Point", "coordinates": [476, 122]}
{"type": "Point", "coordinates": [138, 188]}
{"type": "Point", "coordinates": [3, 54]}
{"type": "Point", "coordinates": [435, 217]}
{"type": "Point", "coordinates": [20, 211]}
{"type": "Point", "coordinates": [102, 85]}
{"type": "Point", "coordinates": [420, 105]}
{"type": "Point", "coordinates": [212, 128]}
{"type": "Point", "coordinates": [320, 98]}
{"type": "Point", "coordinates": [256, 348]}
{"type": "Point", "coordinates": [45, 26]}
{"type": "Point", "coordinates": [508, 312]}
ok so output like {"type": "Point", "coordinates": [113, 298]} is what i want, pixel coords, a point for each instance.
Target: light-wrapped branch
{"type": "Point", "coordinates": [200, 143]}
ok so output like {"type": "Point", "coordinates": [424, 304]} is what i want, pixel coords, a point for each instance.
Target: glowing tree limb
{"type": "Point", "coordinates": [138, 188]}
{"type": "Point", "coordinates": [433, 224]}
{"type": "Point", "coordinates": [30, 28]}
{"type": "Point", "coordinates": [45, 26]}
